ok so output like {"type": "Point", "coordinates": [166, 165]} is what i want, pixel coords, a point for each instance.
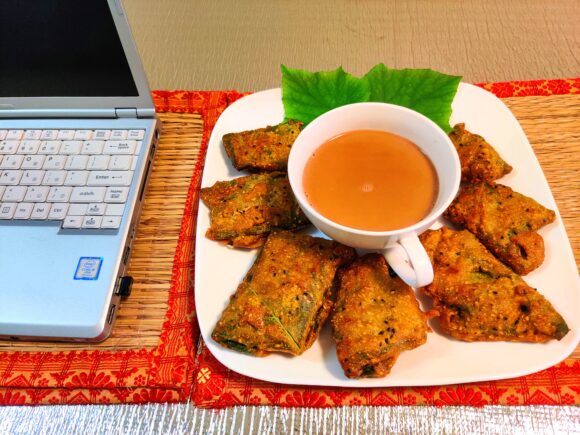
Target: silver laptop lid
{"type": "Point", "coordinates": [38, 39]}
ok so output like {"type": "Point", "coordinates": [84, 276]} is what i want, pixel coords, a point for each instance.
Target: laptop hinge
{"type": "Point", "coordinates": [126, 113]}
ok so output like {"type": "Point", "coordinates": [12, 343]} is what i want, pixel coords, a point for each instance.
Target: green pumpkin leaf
{"type": "Point", "coordinates": [423, 90]}
{"type": "Point", "coordinates": [308, 95]}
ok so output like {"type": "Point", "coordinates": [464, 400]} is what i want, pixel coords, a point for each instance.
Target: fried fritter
{"type": "Point", "coordinates": [244, 210]}
{"type": "Point", "coordinates": [480, 299]}
{"type": "Point", "coordinates": [264, 149]}
{"type": "Point", "coordinates": [504, 221]}
{"type": "Point", "coordinates": [284, 298]}
{"type": "Point", "coordinates": [479, 160]}
{"type": "Point", "coordinates": [375, 318]}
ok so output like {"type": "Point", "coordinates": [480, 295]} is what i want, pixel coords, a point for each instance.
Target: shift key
{"type": "Point", "coordinates": [88, 194]}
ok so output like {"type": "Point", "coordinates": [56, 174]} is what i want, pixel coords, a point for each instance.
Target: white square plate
{"type": "Point", "coordinates": [442, 360]}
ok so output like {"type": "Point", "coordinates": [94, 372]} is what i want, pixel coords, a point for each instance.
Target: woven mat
{"type": "Point", "coordinates": [151, 355]}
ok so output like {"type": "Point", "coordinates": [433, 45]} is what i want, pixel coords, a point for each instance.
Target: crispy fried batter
{"type": "Point", "coordinates": [244, 210]}
{"type": "Point", "coordinates": [376, 317]}
{"type": "Point", "coordinates": [505, 221]}
{"type": "Point", "coordinates": [264, 149]}
{"type": "Point", "coordinates": [284, 299]}
{"type": "Point", "coordinates": [479, 160]}
{"type": "Point", "coordinates": [480, 299]}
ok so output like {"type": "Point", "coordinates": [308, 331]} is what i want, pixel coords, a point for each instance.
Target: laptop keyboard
{"type": "Point", "coordinates": [78, 177]}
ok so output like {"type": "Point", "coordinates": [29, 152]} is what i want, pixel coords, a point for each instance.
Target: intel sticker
{"type": "Point", "coordinates": [89, 268]}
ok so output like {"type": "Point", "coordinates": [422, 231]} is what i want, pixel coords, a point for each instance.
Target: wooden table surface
{"type": "Point", "coordinates": [220, 44]}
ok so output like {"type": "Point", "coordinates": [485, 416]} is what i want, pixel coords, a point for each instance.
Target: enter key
{"type": "Point", "coordinates": [110, 178]}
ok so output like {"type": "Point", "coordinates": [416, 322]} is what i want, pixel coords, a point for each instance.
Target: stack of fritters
{"type": "Point", "coordinates": [504, 221]}
{"type": "Point", "coordinates": [245, 210]}
{"type": "Point", "coordinates": [479, 160]}
{"type": "Point", "coordinates": [264, 149]}
{"type": "Point", "coordinates": [376, 317]}
{"type": "Point", "coordinates": [480, 299]}
{"type": "Point", "coordinates": [284, 299]}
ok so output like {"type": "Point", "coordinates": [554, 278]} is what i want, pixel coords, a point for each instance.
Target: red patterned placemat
{"type": "Point", "coordinates": [215, 386]}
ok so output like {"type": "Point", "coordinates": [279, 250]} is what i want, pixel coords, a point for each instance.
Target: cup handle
{"type": "Point", "coordinates": [410, 261]}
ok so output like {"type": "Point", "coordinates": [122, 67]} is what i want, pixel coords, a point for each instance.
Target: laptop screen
{"type": "Point", "coordinates": [61, 48]}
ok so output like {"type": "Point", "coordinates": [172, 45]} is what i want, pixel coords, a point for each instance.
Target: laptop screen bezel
{"type": "Point", "coordinates": [77, 107]}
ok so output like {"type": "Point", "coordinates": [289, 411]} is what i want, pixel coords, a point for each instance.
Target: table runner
{"type": "Point", "coordinates": [170, 369]}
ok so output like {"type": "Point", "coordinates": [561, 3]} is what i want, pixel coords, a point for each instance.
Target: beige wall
{"type": "Point", "coordinates": [219, 44]}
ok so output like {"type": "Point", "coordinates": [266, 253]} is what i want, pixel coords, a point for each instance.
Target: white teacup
{"type": "Point", "coordinates": [401, 247]}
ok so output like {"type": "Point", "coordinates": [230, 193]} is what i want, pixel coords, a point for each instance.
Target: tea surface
{"type": "Point", "coordinates": [371, 180]}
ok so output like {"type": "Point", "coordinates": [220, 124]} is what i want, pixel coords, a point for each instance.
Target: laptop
{"type": "Point", "coordinates": [77, 138]}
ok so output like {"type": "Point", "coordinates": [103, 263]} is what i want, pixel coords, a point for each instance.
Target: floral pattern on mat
{"type": "Point", "coordinates": [175, 371]}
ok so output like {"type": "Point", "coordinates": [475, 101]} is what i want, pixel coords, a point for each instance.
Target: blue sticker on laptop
{"type": "Point", "coordinates": [89, 268]}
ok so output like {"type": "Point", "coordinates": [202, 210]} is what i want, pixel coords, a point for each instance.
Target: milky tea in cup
{"type": "Point", "coordinates": [374, 176]}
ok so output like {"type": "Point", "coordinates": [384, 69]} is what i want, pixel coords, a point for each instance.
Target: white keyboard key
{"type": "Point", "coordinates": [88, 194]}
{"type": "Point", "coordinates": [71, 147]}
{"type": "Point", "coordinates": [134, 163]}
{"type": "Point", "coordinates": [97, 209]}
{"type": "Point", "coordinates": [72, 222]}
{"type": "Point", "coordinates": [83, 135]}
{"type": "Point", "coordinates": [32, 178]}
{"type": "Point", "coordinates": [93, 147]}
{"type": "Point", "coordinates": [120, 147]}
{"type": "Point", "coordinates": [110, 178]}
{"type": "Point", "coordinates": [98, 163]}
{"type": "Point", "coordinates": [136, 134]}
{"type": "Point", "coordinates": [117, 194]}
{"type": "Point", "coordinates": [40, 211]}
{"type": "Point", "coordinates": [49, 147]}
{"type": "Point", "coordinates": [2, 189]}
{"type": "Point", "coordinates": [54, 163]}
{"type": "Point", "coordinates": [118, 163]}
{"type": "Point", "coordinates": [66, 135]}
{"type": "Point", "coordinates": [54, 178]}
{"type": "Point", "coordinates": [14, 134]}
{"type": "Point", "coordinates": [9, 146]}
{"type": "Point", "coordinates": [77, 209]}
{"type": "Point", "coordinates": [76, 178]}
{"type": "Point", "coordinates": [92, 221]}
{"type": "Point", "coordinates": [59, 193]}
{"type": "Point", "coordinates": [23, 210]}
{"type": "Point", "coordinates": [115, 209]}
{"type": "Point", "coordinates": [58, 211]}
{"type": "Point", "coordinates": [28, 147]}
{"type": "Point", "coordinates": [11, 161]}
{"type": "Point", "coordinates": [119, 134]}
{"type": "Point", "coordinates": [32, 134]}
{"type": "Point", "coordinates": [37, 194]}
{"type": "Point", "coordinates": [49, 135]}
{"type": "Point", "coordinates": [33, 162]}
{"type": "Point", "coordinates": [3, 134]}
{"type": "Point", "coordinates": [7, 210]}
{"type": "Point", "coordinates": [76, 162]}
{"type": "Point", "coordinates": [102, 134]}
{"type": "Point", "coordinates": [111, 222]}
{"type": "Point", "coordinates": [14, 194]}
{"type": "Point", "coordinates": [10, 177]}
